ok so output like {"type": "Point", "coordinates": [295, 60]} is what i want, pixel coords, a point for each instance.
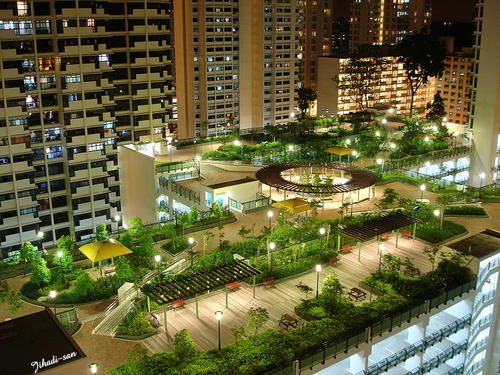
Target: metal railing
{"type": "Point", "coordinates": [261, 201]}
{"type": "Point", "coordinates": [484, 271]}
{"type": "Point", "coordinates": [481, 299]}
{"type": "Point", "coordinates": [180, 190]}
{"type": "Point", "coordinates": [173, 167]}
{"type": "Point", "coordinates": [479, 324]}
{"type": "Point", "coordinates": [472, 351]}
{"type": "Point", "coordinates": [329, 349]}
{"type": "Point", "coordinates": [474, 367]}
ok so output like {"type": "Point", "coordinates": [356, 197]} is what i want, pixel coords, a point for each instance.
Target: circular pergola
{"type": "Point", "coordinates": [272, 176]}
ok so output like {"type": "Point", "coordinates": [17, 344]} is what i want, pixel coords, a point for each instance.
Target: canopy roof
{"type": "Point", "coordinates": [102, 250]}
{"type": "Point", "coordinates": [189, 285]}
{"type": "Point", "coordinates": [339, 150]}
{"type": "Point", "coordinates": [375, 227]}
{"type": "Point", "coordinates": [293, 206]}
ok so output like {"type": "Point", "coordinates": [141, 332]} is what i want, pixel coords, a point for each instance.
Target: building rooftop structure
{"type": "Point", "coordinates": [480, 244]}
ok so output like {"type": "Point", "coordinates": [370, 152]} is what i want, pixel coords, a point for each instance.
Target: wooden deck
{"type": "Point", "coordinates": [278, 300]}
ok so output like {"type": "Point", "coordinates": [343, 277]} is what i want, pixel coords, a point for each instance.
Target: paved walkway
{"type": "Point", "coordinates": [278, 300]}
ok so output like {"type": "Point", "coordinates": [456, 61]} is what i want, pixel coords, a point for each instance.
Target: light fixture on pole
{"type": "Point", "coordinates": [482, 176]}
{"type": "Point", "coordinates": [347, 141]}
{"type": "Point", "coordinates": [381, 163]}
{"type": "Point", "coordinates": [422, 189]}
{"type": "Point", "coordinates": [218, 316]}
{"type": "Point", "coordinates": [384, 121]}
{"type": "Point", "coordinates": [290, 147]}
{"type": "Point", "coordinates": [157, 258]}
{"type": "Point", "coordinates": [40, 234]}
{"type": "Point", "coordinates": [93, 368]}
{"type": "Point", "coordinates": [318, 270]}
{"type": "Point", "coordinates": [427, 165]}
{"type": "Point", "coordinates": [437, 213]}
{"type": "Point", "coordinates": [392, 145]}
{"type": "Point", "coordinates": [322, 232]}
{"type": "Point", "coordinates": [270, 215]}
{"type": "Point", "coordinates": [381, 248]}
{"type": "Point", "coordinates": [377, 133]}
{"type": "Point", "coordinates": [117, 218]}
{"type": "Point", "coordinates": [52, 296]}
{"type": "Point", "coordinates": [169, 148]}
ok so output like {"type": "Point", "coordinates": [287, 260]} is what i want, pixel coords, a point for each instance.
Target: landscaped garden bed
{"type": "Point", "coordinates": [465, 210]}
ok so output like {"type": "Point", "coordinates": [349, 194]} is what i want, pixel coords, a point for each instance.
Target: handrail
{"type": "Point", "coordinates": [329, 349]}
{"type": "Point", "coordinates": [474, 367]}
{"type": "Point", "coordinates": [471, 352]}
{"type": "Point", "coordinates": [482, 274]}
{"type": "Point", "coordinates": [483, 298]}
{"type": "Point", "coordinates": [181, 165]}
{"type": "Point", "coordinates": [479, 324]}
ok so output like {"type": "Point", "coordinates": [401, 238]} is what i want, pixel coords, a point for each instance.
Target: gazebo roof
{"type": "Point", "coordinates": [339, 150]}
{"type": "Point", "coordinates": [102, 250]}
{"type": "Point", "coordinates": [189, 285]}
{"type": "Point", "coordinates": [293, 206]}
{"type": "Point", "coordinates": [372, 228]}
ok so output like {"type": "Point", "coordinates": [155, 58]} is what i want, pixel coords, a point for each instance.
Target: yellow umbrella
{"type": "Point", "coordinates": [338, 150]}
{"type": "Point", "coordinates": [293, 206]}
{"type": "Point", "coordinates": [102, 250]}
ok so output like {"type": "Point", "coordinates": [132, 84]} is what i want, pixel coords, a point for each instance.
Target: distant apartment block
{"type": "Point", "coordinates": [379, 22]}
{"type": "Point", "coordinates": [392, 90]}
{"type": "Point", "coordinates": [78, 79]}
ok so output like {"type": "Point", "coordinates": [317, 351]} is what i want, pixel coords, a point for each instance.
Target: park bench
{"type": "Point", "coordinates": [109, 272]}
{"type": "Point", "coordinates": [269, 281]}
{"type": "Point", "coordinates": [384, 236]}
{"type": "Point", "coordinates": [178, 304]}
{"type": "Point", "coordinates": [333, 260]}
{"type": "Point", "coordinates": [346, 249]}
{"type": "Point", "coordinates": [406, 233]}
{"type": "Point", "coordinates": [233, 286]}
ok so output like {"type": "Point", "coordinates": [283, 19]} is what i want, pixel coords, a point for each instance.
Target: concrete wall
{"type": "Point", "coordinates": [486, 116]}
{"type": "Point", "coordinates": [138, 185]}
{"type": "Point", "coordinates": [328, 68]}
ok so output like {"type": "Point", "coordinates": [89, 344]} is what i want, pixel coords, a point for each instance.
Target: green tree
{"type": "Point", "coordinates": [358, 78]}
{"type": "Point", "coordinates": [123, 269]}
{"type": "Point", "coordinates": [184, 346]}
{"type": "Point", "coordinates": [332, 286]}
{"type": "Point", "coordinates": [64, 262]}
{"type": "Point", "coordinates": [216, 210]}
{"type": "Point", "coordinates": [305, 97]}
{"type": "Point", "coordinates": [66, 243]}
{"type": "Point", "coordinates": [390, 196]}
{"type": "Point", "coordinates": [436, 109]}
{"type": "Point", "coordinates": [10, 297]}
{"type": "Point", "coordinates": [422, 57]}
{"type": "Point", "coordinates": [84, 285]}
{"type": "Point", "coordinates": [303, 288]}
{"type": "Point", "coordinates": [206, 237]}
{"type": "Point", "coordinates": [221, 233]}
{"type": "Point", "coordinates": [243, 232]}
{"type": "Point", "coordinates": [28, 252]}
{"type": "Point", "coordinates": [101, 232]}
{"type": "Point", "coordinates": [238, 333]}
{"type": "Point", "coordinates": [135, 226]}
{"type": "Point", "coordinates": [432, 253]}
{"type": "Point", "coordinates": [194, 214]}
{"type": "Point", "coordinates": [40, 274]}
{"type": "Point", "coordinates": [392, 263]}
{"type": "Point", "coordinates": [184, 220]}
{"type": "Point", "coordinates": [256, 318]}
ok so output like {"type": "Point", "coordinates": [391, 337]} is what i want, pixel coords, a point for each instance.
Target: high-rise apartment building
{"type": "Point", "coordinates": [485, 98]}
{"type": "Point", "coordinates": [315, 37]}
{"type": "Point", "coordinates": [77, 79]}
{"type": "Point", "coordinates": [378, 22]}
{"type": "Point", "coordinates": [454, 86]}
{"type": "Point", "coordinates": [392, 89]}
{"type": "Point", "coordinates": [236, 64]}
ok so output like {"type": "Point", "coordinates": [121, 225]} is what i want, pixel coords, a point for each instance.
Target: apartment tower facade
{"type": "Point", "coordinates": [379, 22]}
{"type": "Point", "coordinates": [485, 98]}
{"type": "Point", "coordinates": [236, 64]}
{"type": "Point", "coordinates": [78, 79]}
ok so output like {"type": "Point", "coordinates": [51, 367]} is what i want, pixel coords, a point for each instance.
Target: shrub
{"type": "Point", "coordinates": [175, 245]}
{"type": "Point", "coordinates": [432, 234]}
{"type": "Point", "coordinates": [40, 274]}
{"type": "Point", "coordinates": [464, 210]}
{"type": "Point", "coordinates": [134, 324]}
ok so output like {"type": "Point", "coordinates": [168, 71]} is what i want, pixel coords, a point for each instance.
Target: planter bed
{"type": "Point", "coordinates": [141, 337]}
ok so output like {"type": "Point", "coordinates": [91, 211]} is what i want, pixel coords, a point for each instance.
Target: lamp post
{"type": "Point", "coordinates": [392, 145]}
{"type": "Point", "coordinates": [427, 165]}
{"type": "Point", "coordinates": [381, 163]}
{"type": "Point", "coordinates": [218, 316]}
{"type": "Point", "coordinates": [93, 368]}
{"type": "Point", "coordinates": [377, 133]}
{"type": "Point", "coordinates": [270, 215]}
{"type": "Point", "coordinates": [322, 232]}
{"type": "Point", "coordinates": [318, 270]}
{"type": "Point", "coordinates": [169, 148]}
{"type": "Point", "coordinates": [384, 121]}
{"type": "Point", "coordinates": [40, 234]}
{"type": "Point", "coordinates": [52, 296]}
{"type": "Point", "coordinates": [59, 255]}
{"type": "Point", "coordinates": [437, 213]}
{"type": "Point", "coordinates": [237, 143]}
{"type": "Point", "coordinates": [482, 176]}
{"type": "Point", "coordinates": [270, 248]}
{"type": "Point", "coordinates": [422, 189]}
{"type": "Point", "coordinates": [157, 259]}
{"type": "Point", "coordinates": [381, 248]}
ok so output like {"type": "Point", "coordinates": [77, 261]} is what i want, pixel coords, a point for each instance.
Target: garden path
{"type": "Point", "coordinates": [278, 300]}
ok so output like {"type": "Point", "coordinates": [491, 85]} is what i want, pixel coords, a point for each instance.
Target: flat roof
{"type": "Point", "coordinates": [231, 183]}
{"type": "Point", "coordinates": [34, 343]}
{"type": "Point", "coordinates": [480, 244]}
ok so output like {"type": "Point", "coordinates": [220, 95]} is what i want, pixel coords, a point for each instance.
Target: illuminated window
{"type": "Point", "coordinates": [22, 8]}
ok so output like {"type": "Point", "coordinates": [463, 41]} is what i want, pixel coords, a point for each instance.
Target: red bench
{"type": "Point", "coordinates": [234, 285]}
{"type": "Point", "coordinates": [384, 236]}
{"type": "Point", "coordinates": [333, 260]}
{"type": "Point", "coordinates": [178, 304]}
{"type": "Point", "coordinates": [406, 233]}
{"type": "Point", "coordinates": [269, 281]}
{"type": "Point", "coordinates": [346, 249]}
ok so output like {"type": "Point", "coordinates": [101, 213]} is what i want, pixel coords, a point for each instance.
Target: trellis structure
{"type": "Point", "coordinates": [370, 229]}
{"type": "Point", "coordinates": [193, 284]}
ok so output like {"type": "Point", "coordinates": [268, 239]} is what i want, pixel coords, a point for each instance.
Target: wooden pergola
{"type": "Point", "coordinates": [374, 228]}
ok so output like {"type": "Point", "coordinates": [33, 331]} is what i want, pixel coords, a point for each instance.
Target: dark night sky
{"type": "Point", "coordinates": [443, 10]}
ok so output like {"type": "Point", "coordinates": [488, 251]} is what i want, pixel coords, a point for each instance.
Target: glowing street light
{"type": "Point", "coordinates": [272, 245]}
{"type": "Point", "coordinates": [426, 139]}
{"type": "Point", "coordinates": [157, 258]}
{"type": "Point", "coordinates": [391, 110]}
{"type": "Point", "coordinates": [381, 248]}
{"type": "Point", "coordinates": [52, 296]}
{"type": "Point", "coordinates": [377, 134]}
{"type": "Point", "coordinates": [422, 189]}
{"type": "Point", "coordinates": [237, 143]}
{"type": "Point", "coordinates": [392, 145]}
{"type": "Point", "coordinates": [93, 368]}
{"type": "Point", "coordinates": [438, 214]}
{"type": "Point", "coordinates": [218, 317]}
{"type": "Point", "coordinates": [270, 215]}
{"type": "Point", "coordinates": [290, 147]}
{"type": "Point", "coordinates": [322, 232]}
{"type": "Point", "coordinates": [347, 141]}
{"type": "Point", "coordinates": [117, 218]}
{"type": "Point", "coordinates": [40, 234]}
{"type": "Point", "coordinates": [381, 163]}
{"type": "Point", "coordinates": [384, 121]}
{"type": "Point", "coordinates": [318, 270]}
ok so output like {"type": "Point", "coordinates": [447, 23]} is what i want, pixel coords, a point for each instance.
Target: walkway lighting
{"type": "Point", "coordinates": [377, 134]}
{"type": "Point", "coordinates": [384, 121]}
{"type": "Point", "coordinates": [237, 143]}
{"type": "Point", "coordinates": [218, 317]}
{"type": "Point", "coordinates": [318, 270]}
{"type": "Point", "coordinates": [157, 258]}
{"type": "Point", "coordinates": [93, 368]}
{"type": "Point", "coordinates": [272, 245]}
{"type": "Point", "coordinates": [40, 234]}
{"type": "Point", "coordinates": [422, 189]}
{"type": "Point", "coordinates": [270, 215]}
{"type": "Point", "coordinates": [381, 248]}
{"type": "Point", "coordinates": [290, 147]}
